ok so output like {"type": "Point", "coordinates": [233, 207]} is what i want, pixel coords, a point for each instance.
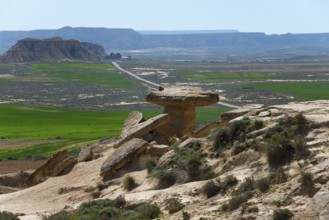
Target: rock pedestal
{"type": "Point", "coordinates": [180, 103]}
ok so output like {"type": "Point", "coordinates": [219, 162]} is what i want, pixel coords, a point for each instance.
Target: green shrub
{"type": "Point", "coordinates": [148, 162]}
{"type": "Point", "coordinates": [279, 151]}
{"type": "Point", "coordinates": [186, 215]}
{"type": "Point", "coordinates": [253, 209]}
{"type": "Point", "coordinates": [8, 216]}
{"type": "Point", "coordinates": [238, 147]}
{"type": "Point", "coordinates": [150, 211]}
{"type": "Point", "coordinates": [301, 123]}
{"type": "Point", "coordinates": [282, 214]}
{"type": "Point", "coordinates": [300, 148]}
{"type": "Point", "coordinates": [263, 184]}
{"type": "Point", "coordinates": [192, 164]}
{"type": "Point", "coordinates": [224, 207]}
{"type": "Point", "coordinates": [173, 205]}
{"type": "Point", "coordinates": [258, 124]}
{"type": "Point", "coordinates": [278, 176]}
{"type": "Point", "coordinates": [119, 202]}
{"type": "Point", "coordinates": [306, 179]}
{"type": "Point", "coordinates": [128, 183]}
{"type": "Point", "coordinates": [237, 129]}
{"type": "Point", "coordinates": [220, 138]}
{"type": "Point", "coordinates": [228, 182]}
{"type": "Point", "coordinates": [247, 185]}
{"type": "Point", "coordinates": [166, 178]}
{"type": "Point", "coordinates": [210, 189]}
{"type": "Point", "coordinates": [236, 201]}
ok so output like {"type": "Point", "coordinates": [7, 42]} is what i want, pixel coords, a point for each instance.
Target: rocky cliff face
{"type": "Point", "coordinates": [261, 163]}
{"type": "Point", "coordinates": [54, 49]}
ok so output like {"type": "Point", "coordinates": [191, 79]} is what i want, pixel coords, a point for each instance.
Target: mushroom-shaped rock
{"type": "Point", "coordinates": [180, 103]}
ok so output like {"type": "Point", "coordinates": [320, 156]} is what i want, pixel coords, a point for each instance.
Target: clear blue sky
{"type": "Point", "coordinates": [269, 16]}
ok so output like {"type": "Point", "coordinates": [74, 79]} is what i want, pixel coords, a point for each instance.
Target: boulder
{"type": "Point", "coordinates": [133, 119]}
{"type": "Point", "coordinates": [14, 179]}
{"type": "Point", "coordinates": [59, 163]}
{"type": "Point", "coordinates": [86, 154]}
{"type": "Point", "coordinates": [123, 156]}
{"type": "Point", "coordinates": [320, 202]}
{"type": "Point", "coordinates": [140, 129]}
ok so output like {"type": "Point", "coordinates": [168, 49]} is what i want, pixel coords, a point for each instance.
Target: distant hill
{"type": "Point", "coordinates": [54, 49]}
{"type": "Point", "coordinates": [188, 32]}
{"type": "Point", "coordinates": [128, 39]}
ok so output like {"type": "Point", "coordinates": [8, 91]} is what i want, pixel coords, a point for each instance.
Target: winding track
{"type": "Point", "coordinates": [158, 85]}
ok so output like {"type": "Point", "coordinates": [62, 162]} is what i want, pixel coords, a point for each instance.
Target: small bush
{"type": "Point", "coordinates": [192, 165]}
{"type": "Point", "coordinates": [128, 183]}
{"type": "Point", "coordinates": [119, 202]}
{"type": "Point", "coordinates": [166, 178]}
{"type": "Point", "coordinates": [210, 189]}
{"type": "Point", "coordinates": [301, 123]}
{"type": "Point", "coordinates": [247, 186]}
{"type": "Point", "coordinates": [173, 205]}
{"type": "Point", "coordinates": [238, 147]}
{"type": "Point", "coordinates": [236, 201]}
{"type": "Point", "coordinates": [263, 184]}
{"type": "Point", "coordinates": [279, 151]}
{"type": "Point", "coordinates": [278, 176]}
{"type": "Point", "coordinates": [148, 162]}
{"type": "Point", "coordinates": [253, 209]}
{"type": "Point", "coordinates": [306, 179]}
{"type": "Point", "coordinates": [224, 207]}
{"type": "Point", "coordinates": [228, 182]}
{"type": "Point", "coordinates": [238, 129]}
{"type": "Point", "coordinates": [221, 139]}
{"type": "Point", "coordinates": [150, 211]}
{"type": "Point", "coordinates": [61, 215]}
{"type": "Point", "coordinates": [8, 216]}
{"type": "Point", "coordinates": [258, 124]}
{"type": "Point", "coordinates": [300, 148]}
{"type": "Point", "coordinates": [186, 215]}
{"type": "Point", "coordinates": [282, 214]}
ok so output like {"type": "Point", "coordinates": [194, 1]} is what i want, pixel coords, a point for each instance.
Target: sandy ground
{"type": "Point", "coordinates": [57, 192]}
{"type": "Point", "coordinates": [13, 166]}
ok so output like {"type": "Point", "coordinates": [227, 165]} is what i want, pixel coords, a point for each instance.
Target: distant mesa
{"type": "Point", "coordinates": [53, 49]}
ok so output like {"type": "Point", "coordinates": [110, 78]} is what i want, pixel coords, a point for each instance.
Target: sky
{"type": "Point", "coordinates": [269, 16]}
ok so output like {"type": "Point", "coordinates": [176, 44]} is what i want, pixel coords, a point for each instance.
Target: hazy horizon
{"type": "Point", "coordinates": [275, 17]}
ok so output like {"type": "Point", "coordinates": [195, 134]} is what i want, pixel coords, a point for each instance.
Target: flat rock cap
{"type": "Point", "coordinates": [182, 95]}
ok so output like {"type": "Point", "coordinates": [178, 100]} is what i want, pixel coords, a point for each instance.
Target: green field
{"type": "Point", "coordinates": [301, 90]}
{"type": "Point", "coordinates": [61, 128]}
{"type": "Point", "coordinates": [100, 74]}
{"type": "Point", "coordinates": [208, 77]}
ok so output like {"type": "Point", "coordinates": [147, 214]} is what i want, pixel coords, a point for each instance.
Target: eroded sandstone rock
{"type": "Point", "coordinates": [138, 130]}
{"type": "Point", "coordinates": [180, 103]}
{"type": "Point", "coordinates": [57, 164]}
{"type": "Point", "coordinates": [122, 156]}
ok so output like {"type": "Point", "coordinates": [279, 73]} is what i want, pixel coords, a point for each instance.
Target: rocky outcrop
{"type": "Point", "coordinates": [15, 180]}
{"type": "Point", "coordinates": [55, 49]}
{"type": "Point", "coordinates": [135, 127]}
{"type": "Point", "coordinates": [244, 157]}
{"type": "Point", "coordinates": [122, 156]}
{"type": "Point", "coordinates": [59, 163]}
{"type": "Point", "coordinates": [180, 104]}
